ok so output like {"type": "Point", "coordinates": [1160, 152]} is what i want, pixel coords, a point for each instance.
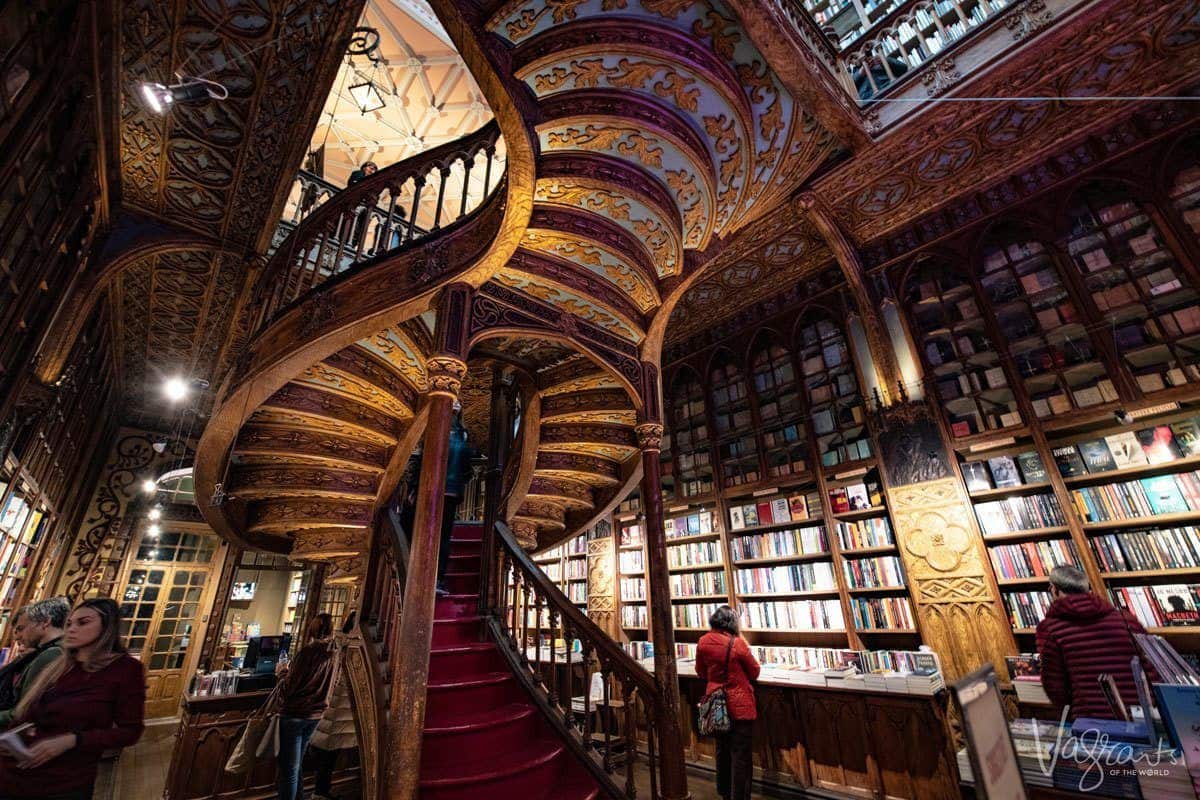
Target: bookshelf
{"type": "Point", "coordinates": [567, 566]}
{"type": "Point", "coordinates": [781, 417]}
{"type": "Point", "coordinates": [835, 407]}
{"type": "Point", "coordinates": [962, 363]}
{"type": "Point", "coordinates": [689, 450]}
{"type": "Point", "coordinates": [734, 423]}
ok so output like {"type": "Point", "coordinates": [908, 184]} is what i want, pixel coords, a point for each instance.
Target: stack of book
{"type": "Point", "coordinates": [1032, 559]}
{"type": "Point", "coordinates": [1026, 672]}
{"type": "Point", "coordinates": [633, 589]}
{"type": "Point", "coordinates": [1149, 549]}
{"type": "Point", "coordinates": [777, 511]}
{"type": "Point", "coordinates": [631, 536]}
{"type": "Point", "coordinates": [693, 615]}
{"type": "Point", "coordinates": [874, 573]}
{"type": "Point", "coordinates": [631, 562]}
{"type": "Point", "coordinates": [693, 584]}
{"type": "Point", "coordinates": [1148, 497]}
{"type": "Point", "coordinates": [776, 544]}
{"type": "Point", "coordinates": [633, 616]}
{"type": "Point", "coordinates": [809, 577]}
{"type": "Point", "coordinates": [639, 650]}
{"type": "Point", "coordinates": [577, 593]}
{"type": "Point", "coordinates": [694, 554]}
{"type": "Point", "coordinates": [1026, 609]}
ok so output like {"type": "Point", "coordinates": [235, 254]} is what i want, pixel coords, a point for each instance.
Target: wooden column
{"type": "Point", "coordinates": [670, 736]}
{"type": "Point", "coordinates": [887, 373]}
{"type": "Point", "coordinates": [445, 371]}
{"type": "Point", "coordinates": [499, 434]}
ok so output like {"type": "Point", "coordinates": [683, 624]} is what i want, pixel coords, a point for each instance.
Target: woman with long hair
{"type": "Point", "coordinates": [304, 695]}
{"type": "Point", "coordinates": [90, 700]}
{"type": "Point", "coordinates": [724, 660]}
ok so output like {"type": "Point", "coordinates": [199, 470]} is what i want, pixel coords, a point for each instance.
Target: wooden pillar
{"type": "Point", "coordinates": [499, 433]}
{"type": "Point", "coordinates": [446, 371]}
{"type": "Point", "coordinates": [887, 373]}
{"type": "Point", "coordinates": [670, 736]}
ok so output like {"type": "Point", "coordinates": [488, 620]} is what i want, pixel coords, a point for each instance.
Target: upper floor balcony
{"type": "Point", "coordinates": [893, 55]}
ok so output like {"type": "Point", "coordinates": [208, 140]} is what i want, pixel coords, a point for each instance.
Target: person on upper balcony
{"type": "Point", "coordinates": [458, 475]}
{"type": "Point", "coordinates": [1081, 638]}
{"type": "Point", "coordinates": [368, 169]}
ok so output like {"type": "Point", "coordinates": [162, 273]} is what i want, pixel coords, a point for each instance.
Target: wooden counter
{"type": "Point", "coordinates": [209, 730]}
{"type": "Point", "coordinates": [848, 742]}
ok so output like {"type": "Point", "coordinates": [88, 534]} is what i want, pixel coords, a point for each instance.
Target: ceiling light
{"type": "Point", "coordinates": [149, 486]}
{"type": "Point", "coordinates": [155, 513]}
{"type": "Point", "coordinates": [153, 529]}
{"type": "Point", "coordinates": [158, 98]}
{"type": "Point", "coordinates": [175, 389]}
{"type": "Point", "coordinates": [153, 554]}
{"type": "Point", "coordinates": [367, 97]}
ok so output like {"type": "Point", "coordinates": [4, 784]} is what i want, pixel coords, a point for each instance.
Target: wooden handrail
{"type": "Point", "coordinates": [357, 226]}
{"type": "Point", "coordinates": [532, 615]}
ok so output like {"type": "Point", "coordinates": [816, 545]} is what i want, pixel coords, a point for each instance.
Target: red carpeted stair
{"type": "Point", "coordinates": [484, 739]}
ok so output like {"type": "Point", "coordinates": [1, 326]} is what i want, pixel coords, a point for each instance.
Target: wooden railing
{"type": "Point", "coordinates": [381, 215]}
{"type": "Point", "coordinates": [589, 688]}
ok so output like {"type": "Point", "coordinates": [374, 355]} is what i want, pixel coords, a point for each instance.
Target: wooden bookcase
{"type": "Point", "coordinates": [566, 565]}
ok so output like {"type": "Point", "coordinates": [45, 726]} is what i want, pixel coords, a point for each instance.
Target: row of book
{"type": "Point", "coordinates": [863, 533]}
{"type": "Point", "coordinates": [577, 593]}
{"type": "Point", "coordinates": [882, 613]}
{"type": "Point", "coordinates": [777, 511]}
{"type": "Point", "coordinates": [855, 497]}
{"type": "Point", "coordinates": [633, 616]}
{"type": "Point", "coordinates": [695, 554]}
{"type": "Point", "coordinates": [693, 615]}
{"type": "Point", "coordinates": [1162, 548]}
{"type": "Point", "coordinates": [631, 562]}
{"type": "Point", "coordinates": [692, 525]}
{"type": "Point", "coordinates": [1148, 497]}
{"type": "Point", "coordinates": [1019, 513]}
{"type": "Point", "coordinates": [577, 546]}
{"type": "Point", "coordinates": [576, 569]}
{"type": "Point", "coordinates": [553, 570]}
{"type": "Point", "coordinates": [633, 589]}
{"type": "Point", "coordinates": [809, 577]}
{"type": "Point", "coordinates": [631, 535]}
{"type": "Point", "coordinates": [872, 573]}
{"type": "Point", "coordinates": [1003, 471]}
{"type": "Point", "coordinates": [1032, 559]}
{"type": "Point", "coordinates": [1160, 444]}
{"type": "Point", "coordinates": [1026, 609]}
{"type": "Point", "coordinates": [778, 544]}
{"type": "Point", "coordinates": [1165, 605]}
{"type": "Point", "coordinates": [692, 584]}
{"type": "Point", "coordinates": [794, 615]}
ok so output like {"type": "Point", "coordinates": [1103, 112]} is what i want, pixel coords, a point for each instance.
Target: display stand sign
{"type": "Point", "coordinates": [989, 743]}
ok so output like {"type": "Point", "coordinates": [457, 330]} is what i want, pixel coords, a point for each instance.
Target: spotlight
{"type": "Point", "coordinates": [153, 529]}
{"type": "Point", "coordinates": [149, 486]}
{"type": "Point", "coordinates": [160, 447]}
{"type": "Point", "coordinates": [175, 389]}
{"type": "Point", "coordinates": [153, 554]}
{"type": "Point", "coordinates": [154, 514]}
{"type": "Point", "coordinates": [159, 98]}
{"type": "Point", "coordinates": [1123, 416]}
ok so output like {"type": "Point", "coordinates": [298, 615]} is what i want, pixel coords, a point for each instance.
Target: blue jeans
{"type": "Point", "coordinates": [294, 735]}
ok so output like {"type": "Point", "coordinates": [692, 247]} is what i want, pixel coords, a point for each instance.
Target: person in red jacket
{"type": "Point", "coordinates": [724, 660]}
{"type": "Point", "coordinates": [1081, 638]}
{"type": "Point", "coordinates": [91, 700]}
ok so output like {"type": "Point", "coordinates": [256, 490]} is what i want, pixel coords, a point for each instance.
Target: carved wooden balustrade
{"type": "Point", "coordinates": [593, 691]}
{"type": "Point", "coordinates": [380, 216]}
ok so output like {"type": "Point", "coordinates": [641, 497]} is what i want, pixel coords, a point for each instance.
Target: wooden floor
{"type": "Point", "coordinates": [142, 769]}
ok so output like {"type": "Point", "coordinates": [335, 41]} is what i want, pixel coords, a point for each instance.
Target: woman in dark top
{"type": "Point", "coordinates": [303, 696]}
{"type": "Point", "coordinates": [724, 660]}
{"type": "Point", "coordinates": [90, 700]}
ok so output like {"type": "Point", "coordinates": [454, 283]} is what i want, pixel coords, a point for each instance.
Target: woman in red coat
{"type": "Point", "coordinates": [724, 660]}
{"type": "Point", "coordinates": [90, 700]}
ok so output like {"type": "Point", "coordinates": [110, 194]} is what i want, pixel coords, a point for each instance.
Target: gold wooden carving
{"type": "Point", "coordinates": [959, 614]}
{"type": "Point", "coordinates": [602, 601]}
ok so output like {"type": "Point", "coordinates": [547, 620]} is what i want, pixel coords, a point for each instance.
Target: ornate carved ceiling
{"type": "Point", "coordinates": [215, 168]}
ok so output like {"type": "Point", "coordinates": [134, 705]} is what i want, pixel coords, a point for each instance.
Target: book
{"type": "Point", "coordinates": [737, 520]}
{"type": "Point", "coordinates": [1096, 456]}
{"type": "Point", "coordinates": [798, 506]}
{"type": "Point", "coordinates": [706, 522]}
{"type": "Point", "coordinates": [780, 510]}
{"type": "Point", "coordinates": [856, 493]}
{"type": "Point", "coordinates": [13, 743]}
{"type": "Point", "coordinates": [1177, 603]}
{"type": "Point", "coordinates": [976, 476]}
{"type": "Point", "coordinates": [1126, 450]}
{"type": "Point", "coordinates": [764, 514]}
{"type": "Point", "coordinates": [1164, 495]}
{"type": "Point", "coordinates": [839, 501]}
{"type": "Point", "coordinates": [693, 524]}
{"type": "Point", "coordinates": [1004, 471]}
{"type": "Point", "coordinates": [1158, 443]}
{"type": "Point", "coordinates": [750, 511]}
{"type": "Point", "coordinates": [1032, 467]}
{"type": "Point", "coordinates": [1025, 665]}
{"type": "Point", "coordinates": [1068, 461]}
{"type": "Point", "coordinates": [1187, 437]}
